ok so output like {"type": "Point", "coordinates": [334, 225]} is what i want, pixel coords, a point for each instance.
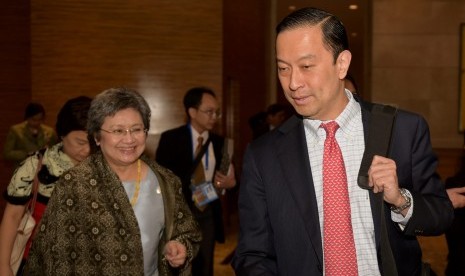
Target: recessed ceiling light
{"type": "Point", "coordinates": [291, 8]}
{"type": "Point", "coordinates": [353, 7]}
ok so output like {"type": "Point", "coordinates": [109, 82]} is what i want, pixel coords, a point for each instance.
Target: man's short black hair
{"type": "Point", "coordinates": [193, 97]}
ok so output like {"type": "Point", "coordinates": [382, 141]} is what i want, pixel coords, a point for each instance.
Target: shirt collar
{"type": "Point", "coordinates": [196, 134]}
{"type": "Point", "coordinates": [345, 120]}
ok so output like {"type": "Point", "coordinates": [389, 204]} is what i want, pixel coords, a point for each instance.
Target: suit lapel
{"type": "Point", "coordinates": [186, 142]}
{"type": "Point", "coordinates": [292, 153]}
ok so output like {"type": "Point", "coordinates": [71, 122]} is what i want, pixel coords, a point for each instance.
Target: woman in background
{"type": "Point", "coordinates": [73, 148]}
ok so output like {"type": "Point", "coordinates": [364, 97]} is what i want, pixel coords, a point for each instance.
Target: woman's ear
{"type": "Point", "coordinates": [97, 142]}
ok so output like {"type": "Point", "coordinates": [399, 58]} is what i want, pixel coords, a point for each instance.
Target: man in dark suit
{"type": "Point", "coordinates": [455, 235]}
{"type": "Point", "coordinates": [176, 152]}
{"type": "Point", "coordinates": [281, 202]}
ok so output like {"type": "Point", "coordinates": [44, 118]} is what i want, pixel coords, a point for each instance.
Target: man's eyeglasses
{"type": "Point", "coordinates": [212, 113]}
{"type": "Point", "coordinates": [120, 132]}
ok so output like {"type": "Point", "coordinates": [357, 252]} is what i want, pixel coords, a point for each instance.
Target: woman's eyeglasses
{"type": "Point", "coordinates": [120, 132]}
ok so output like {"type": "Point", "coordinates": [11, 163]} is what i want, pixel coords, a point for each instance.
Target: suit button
{"type": "Point", "coordinates": [418, 231]}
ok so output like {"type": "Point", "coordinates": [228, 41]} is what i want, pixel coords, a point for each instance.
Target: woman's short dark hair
{"type": "Point", "coordinates": [109, 102]}
{"type": "Point", "coordinates": [334, 33]}
{"type": "Point", "coordinates": [193, 97]}
{"type": "Point", "coordinates": [73, 116]}
{"type": "Point", "coordinates": [33, 109]}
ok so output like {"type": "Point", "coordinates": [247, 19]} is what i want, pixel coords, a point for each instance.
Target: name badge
{"type": "Point", "coordinates": [203, 193]}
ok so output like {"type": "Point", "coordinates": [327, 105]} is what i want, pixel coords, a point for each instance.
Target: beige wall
{"type": "Point", "coordinates": [415, 59]}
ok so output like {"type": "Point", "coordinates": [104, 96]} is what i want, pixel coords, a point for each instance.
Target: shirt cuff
{"type": "Point", "coordinates": [399, 218]}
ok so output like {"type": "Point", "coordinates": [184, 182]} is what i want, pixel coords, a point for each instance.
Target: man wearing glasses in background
{"type": "Point", "coordinates": [177, 151]}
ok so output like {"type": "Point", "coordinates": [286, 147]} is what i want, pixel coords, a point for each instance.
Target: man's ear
{"type": "Point", "coordinates": [343, 63]}
{"type": "Point", "coordinates": [192, 112]}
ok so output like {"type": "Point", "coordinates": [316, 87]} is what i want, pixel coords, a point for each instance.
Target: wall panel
{"type": "Point", "coordinates": [14, 74]}
{"type": "Point", "coordinates": [246, 67]}
{"type": "Point", "coordinates": [415, 62]}
{"type": "Point", "coordinates": [160, 48]}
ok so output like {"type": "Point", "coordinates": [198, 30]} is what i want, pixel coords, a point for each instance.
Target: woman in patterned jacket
{"type": "Point", "coordinates": [73, 148]}
{"type": "Point", "coordinates": [118, 212]}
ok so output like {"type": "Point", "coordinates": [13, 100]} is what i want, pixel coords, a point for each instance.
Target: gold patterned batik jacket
{"type": "Point", "coordinates": [89, 227]}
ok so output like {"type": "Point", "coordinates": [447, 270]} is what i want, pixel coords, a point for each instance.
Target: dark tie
{"type": "Point", "coordinates": [338, 239]}
{"type": "Point", "coordinates": [199, 173]}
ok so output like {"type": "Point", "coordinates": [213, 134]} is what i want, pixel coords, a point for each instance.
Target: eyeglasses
{"type": "Point", "coordinates": [212, 113]}
{"type": "Point", "coordinates": [120, 132]}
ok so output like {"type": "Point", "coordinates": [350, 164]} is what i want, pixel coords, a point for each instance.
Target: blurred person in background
{"type": "Point", "coordinates": [264, 121]}
{"type": "Point", "coordinates": [350, 84]}
{"type": "Point", "coordinates": [72, 149]}
{"type": "Point", "coordinates": [25, 138]}
{"type": "Point", "coordinates": [177, 152]}
{"type": "Point", "coordinates": [455, 235]}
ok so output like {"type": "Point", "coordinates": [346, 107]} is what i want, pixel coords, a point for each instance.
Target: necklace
{"type": "Point", "coordinates": [136, 192]}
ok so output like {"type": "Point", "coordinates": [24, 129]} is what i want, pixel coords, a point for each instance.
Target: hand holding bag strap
{"type": "Point", "coordinates": [378, 143]}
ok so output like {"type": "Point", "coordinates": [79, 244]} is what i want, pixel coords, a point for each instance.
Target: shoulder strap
{"type": "Point", "coordinates": [199, 155]}
{"type": "Point", "coordinates": [379, 139]}
{"type": "Point", "coordinates": [378, 142]}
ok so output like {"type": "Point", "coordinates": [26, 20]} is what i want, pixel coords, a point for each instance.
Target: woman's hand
{"type": "Point", "coordinates": [175, 253]}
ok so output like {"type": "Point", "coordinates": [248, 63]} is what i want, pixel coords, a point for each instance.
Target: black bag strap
{"type": "Point", "coordinates": [379, 139]}
{"type": "Point", "coordinates": [199, 156]}
{"type": "Point", "coordinates": [378, 143]}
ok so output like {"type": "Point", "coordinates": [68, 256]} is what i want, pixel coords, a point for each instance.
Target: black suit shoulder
{"type": "Point", "coordinates": [174, 150]}
{"type": "Point", "coordinates": [293, 125]}
{"type": "Point", "coordinates": [181, 130]}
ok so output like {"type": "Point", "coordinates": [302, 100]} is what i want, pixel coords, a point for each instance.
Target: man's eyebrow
{"type": "Point", "coordinates": [309, 56]}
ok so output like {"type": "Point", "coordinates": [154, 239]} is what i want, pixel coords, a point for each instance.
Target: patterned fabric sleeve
{"type": "Point", "coordinates": [39, 262]}
{"type": "Point", "coordinates": [87, 229]}
{"type": "Point", "coordinates": [54, 161]}
{"type": "Point", "coordinates": [19, 189]}
{"type": "Point", "coordinates": [184, 228]}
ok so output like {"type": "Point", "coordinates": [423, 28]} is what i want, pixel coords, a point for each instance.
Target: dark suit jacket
{"type": "Point", "coordinates": [175, 153]}
{"type": "Point", "coordinates": [279, 225]}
